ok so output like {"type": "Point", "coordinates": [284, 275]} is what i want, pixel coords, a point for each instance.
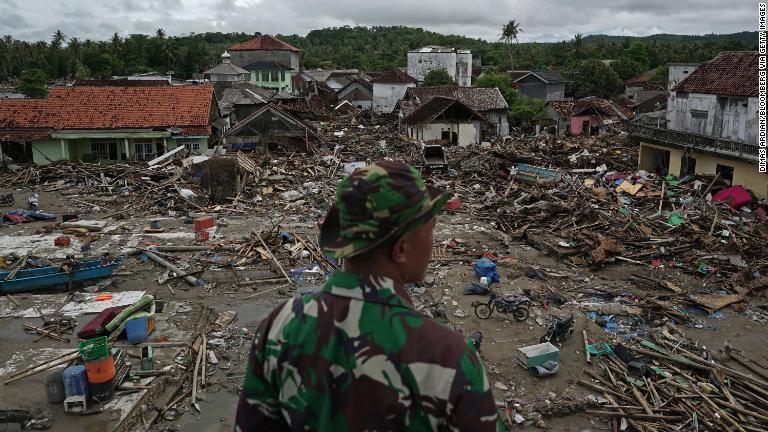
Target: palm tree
{"type": "Point", "coordinates": [509, 33]}
{"type": "Point", "coordinates": [57, 39]}
{"type": "Point", "coordinates": [578, 46]}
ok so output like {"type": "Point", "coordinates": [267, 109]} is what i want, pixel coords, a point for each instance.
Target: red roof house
{"type": "Point", "coordinates": [109, 122]}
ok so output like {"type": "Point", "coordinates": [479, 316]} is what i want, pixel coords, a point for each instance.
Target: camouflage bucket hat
{"type": "Point", "coordinates": [376, 203]}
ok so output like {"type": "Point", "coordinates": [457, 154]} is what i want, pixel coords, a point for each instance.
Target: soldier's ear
{"type": "Point", "coordinates": [399, 251]}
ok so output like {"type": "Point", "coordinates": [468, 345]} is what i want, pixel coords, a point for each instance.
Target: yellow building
{"type": "Point", "coordinates": [711, 125]}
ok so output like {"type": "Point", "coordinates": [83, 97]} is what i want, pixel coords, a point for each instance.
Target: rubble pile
{"type": "Point", "coordinates": [667, 379]}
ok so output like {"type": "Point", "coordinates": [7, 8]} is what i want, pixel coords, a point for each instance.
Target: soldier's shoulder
{"type": "Point", "coordinates": [437, 337]}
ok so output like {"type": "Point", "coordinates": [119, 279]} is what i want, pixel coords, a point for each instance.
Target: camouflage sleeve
{"type": "Point", "coordinates": [259, 406]}
{"type": "Point", "coordinates": [471, 399]}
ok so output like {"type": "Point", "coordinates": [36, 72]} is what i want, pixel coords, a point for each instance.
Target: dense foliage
{"type": "Point", "coordinates": [591, 78]}
{"type": "Point", "coordinates": [367, 48]}
{"type": "Point", "coordinates": [438, 77]}
{"type": "Point", "coordinates": [34, 84]}
{"type": "Point", "coordinates": [522, 110]}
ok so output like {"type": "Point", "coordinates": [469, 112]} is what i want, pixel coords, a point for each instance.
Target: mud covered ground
{"type": "Point", "coordinates": [514, 387]}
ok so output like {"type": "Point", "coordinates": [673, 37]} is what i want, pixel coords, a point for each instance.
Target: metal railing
{"type": "Point", "coordinates": [687, 139]}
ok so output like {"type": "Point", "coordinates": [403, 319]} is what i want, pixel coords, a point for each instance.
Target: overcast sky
{"type": "Point", "coordinates": [541, 20]}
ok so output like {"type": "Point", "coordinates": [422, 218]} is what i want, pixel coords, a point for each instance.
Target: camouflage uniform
{"type": "Point", "coordinates": [356, 356]}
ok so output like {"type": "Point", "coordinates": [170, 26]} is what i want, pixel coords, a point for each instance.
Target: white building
{"type": "Point", "coordinates": [446, 120]}
{"type": "Point", "coordinates": [389, 88]}
{"type": "Point", "coordinates": [457, 62]}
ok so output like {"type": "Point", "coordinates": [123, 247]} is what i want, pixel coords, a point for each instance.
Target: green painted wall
{"type": "Point", "coordinates": [264, 79]}
{"type": "Point", "coordinates": [46, 151]}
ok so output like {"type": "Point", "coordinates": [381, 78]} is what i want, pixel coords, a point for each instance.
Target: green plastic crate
{"type": "Point", "coordinates": [538, 354]}
{"type": "Point", "coordinates": [94, 349]}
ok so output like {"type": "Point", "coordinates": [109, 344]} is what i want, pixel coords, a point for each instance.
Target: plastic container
{"type": "Point", "coordinates": [54, 387]}
{"type": "Point", "coordinates": [100, 371]}
{"type": "Point", "coordinates": [204, 222]}
{"type": "Point", "coordinates": [94, 349]}
{"type": "Point", "coordinates": [102, 392]}
{"type": "Point", "coordinates": [75, 381]}
{"type": "Point", "coordinates": [137, 329]}
{"type": "Point", "coordinates": [202, 236]}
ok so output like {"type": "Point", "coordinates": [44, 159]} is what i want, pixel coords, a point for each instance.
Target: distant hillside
{"type": "Point", "coordinates": [366, 48]}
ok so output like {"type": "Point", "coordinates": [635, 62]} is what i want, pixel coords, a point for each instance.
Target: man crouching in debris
{"type": "Point", "coordinates": [357, 356]}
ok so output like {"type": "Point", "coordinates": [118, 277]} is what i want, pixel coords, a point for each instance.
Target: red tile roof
{"type": "Point", "coordinates": [395, 76]}
{"type": "Point", "coordinates": [731, 73]}
{"type": "Point", "coordinates": [24, 134]}
{"type": "Point", "coordinates": [184, 107]}
{"type": "Point", "coordinates": [263, 43]}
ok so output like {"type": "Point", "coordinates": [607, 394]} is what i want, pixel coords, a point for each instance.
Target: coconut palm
{"type": "Point", "coordinates": [509, 34]}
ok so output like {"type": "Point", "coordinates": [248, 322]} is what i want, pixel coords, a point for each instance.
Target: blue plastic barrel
{"type": "Point", "coordinates": [75, 381]}
{"type": "Point", "coordinates": [137, 330]}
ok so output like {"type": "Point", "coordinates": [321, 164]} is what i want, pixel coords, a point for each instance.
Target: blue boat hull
{"type": "Point", "coordinates": [533, 174]}
{"type": "Point", "coordinates": [47, 277]}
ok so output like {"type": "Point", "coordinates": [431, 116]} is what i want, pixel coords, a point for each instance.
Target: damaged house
{"type": "Point", "coordinates": [269, 128]}
{"type": "Point", "coordinates": [358, 92]}
{"type": "Point", "coordinates": [445, 119]}
{"type": "Point", "coordinates": [487, 101]}
{"type": "Point", "coordinates": [712, 125]}
{"type": "Point", "coordinates": [108, 123]}
{"type": "Point", "coordinates": [457, 62]}
{"type": "Point", "coordinates": [389, 88]}
{"type": "Point", "coordinates": [585, 116]}
{"type": "Point", "coordinates": [544, 85]}
{"type": "Point", "coordinates": [267, 49]}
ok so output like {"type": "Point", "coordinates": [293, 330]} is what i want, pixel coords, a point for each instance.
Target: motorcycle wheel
{"type": "Point", "coordinates": [520, 314]}
{"type": "Point", "coordinates": [483, 311]}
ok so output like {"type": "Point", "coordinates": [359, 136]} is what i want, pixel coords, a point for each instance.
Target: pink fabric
{"type": "Point", "coordinates": [736, 197]}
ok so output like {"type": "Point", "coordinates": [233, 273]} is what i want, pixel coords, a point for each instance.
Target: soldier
{"type": "Point", "coordinates": [357, 356]}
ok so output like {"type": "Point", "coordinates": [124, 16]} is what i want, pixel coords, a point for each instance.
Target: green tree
{"type": "Point", "coordinates": [638, 53]}
{"type": "Point", "coordinates": [526, 112]}
{"type": "Point", "coordinates": [578, 46]}
{"type": "Point", "coordinates": [34, 84]}
{"type": "Point", "coordinates": [499, 81]}
{"type": "Point", "coordinates": [592, 78]}
{"type": "Point", "coordinates": [661, 73]}
{"type": "Point", "coordinates": [509, 33]}
{"type": "Point", "coordinates": [438, 77]}
{"type": "Point", "coordinates": [627, 68]}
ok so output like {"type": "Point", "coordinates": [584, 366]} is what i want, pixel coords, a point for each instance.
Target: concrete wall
{"type": "Point", "coordinates": [467, 133]}
{"type": "Point", "coordinates": [535, 88]}
{"type": "Point", "coordinates": [725, 117]}
{"type": "Point", "coordinates": [678, 72]}
{"type": "Point", "coordinates": [464, 69]}
{"type": "Point", "coordinates": [556, 91]}
{"type": "Point", "coordinates": [386, 96]}
{"type": "Point", "coordinates": [744, 174]}
{"type": "Point", "coordinates": [458, 66]}
{"type": "Point", "coordinates": [499, 122]}
{"type": "Point", "coordinates": [288, 58]}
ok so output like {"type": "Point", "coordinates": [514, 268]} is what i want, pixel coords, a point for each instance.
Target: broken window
{"type": "Point", "coordinates": [189, 143]}
{"type": "Point", "coordinates": [699, 114]}
{"type": "Point", "coordinates": [282, 75]}
{"type": "Point", "coordinates": [726, 173]}
{"type": "Point", "coordinates": [274, 76]}
{"type": "Point", "coordinates": [143, 149]}
{"type": "Point", "coordinates": [103, 148]}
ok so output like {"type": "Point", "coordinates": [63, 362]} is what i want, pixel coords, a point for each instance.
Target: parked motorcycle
{"type": "Point", "coordinates": [32, 202]}
{"type": "Point", "coordinates": [558, 328]}
{"type": "Point", "coordinates": [517, 307]}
